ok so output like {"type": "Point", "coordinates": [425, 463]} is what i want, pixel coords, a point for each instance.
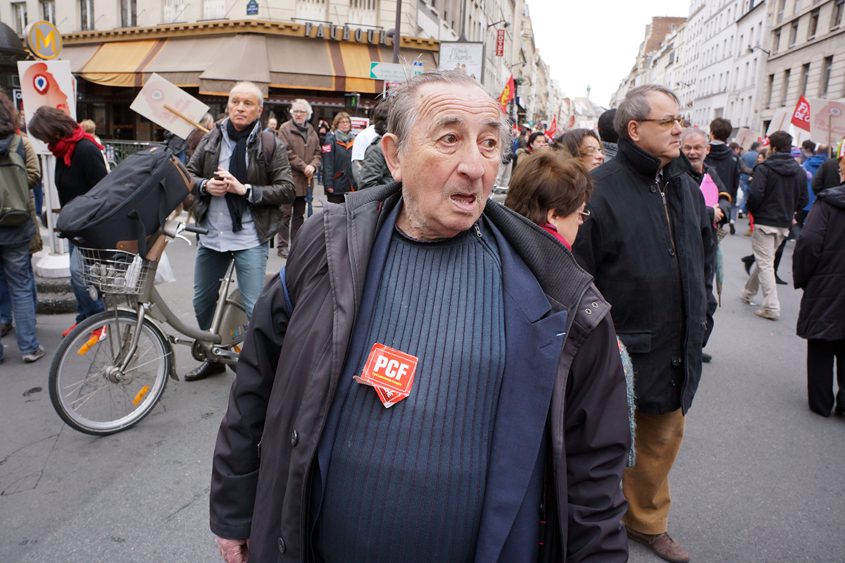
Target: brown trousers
{"type": "Point", "coordinates": [293, 216]}
{"type": "Point", "coordinates": [646, 484]}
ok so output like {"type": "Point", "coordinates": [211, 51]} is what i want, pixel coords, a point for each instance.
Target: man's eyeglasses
{"type": "Point", "coordinates": [584, 214]}
{"type": "Point", "coordinates": [667, 122]}
{"type": "Point", "coordinates": [299, 111]}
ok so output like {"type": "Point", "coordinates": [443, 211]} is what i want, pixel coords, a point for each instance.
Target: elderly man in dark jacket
{"type": "Point", "coordinates": [241, 176]}
{"type": "Point", "coordinates": [305, 156]}
{"type": "Point", "coordinates": [818, 267]}
{"type": "Point", "coordinates": [778, 190]}
{"type": "Point", "coordinates": [517, 398]}
{"type": "Point", "coordinates": [648, 243]}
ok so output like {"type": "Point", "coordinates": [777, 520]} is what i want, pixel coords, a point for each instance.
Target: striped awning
{"type": "Point", "coordinates": [215, 64]}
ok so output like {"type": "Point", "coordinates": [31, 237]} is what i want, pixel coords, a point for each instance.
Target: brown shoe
{"type": "Point", "coordinates": [204, 370]}
{"type": "Point", "coordinates": [662, 545]}
{"type": "Point", "coordinates": [748, 233]}
{"type": "Point", "coordinates": [4, 328]}
{"type": "Point", "coordinates": [765, 314]}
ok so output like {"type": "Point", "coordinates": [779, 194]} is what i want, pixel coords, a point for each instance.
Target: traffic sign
{"type": "Point", "coordinates": [393, 72]}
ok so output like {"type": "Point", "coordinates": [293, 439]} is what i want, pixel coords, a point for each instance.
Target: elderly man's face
{"type": "Point", "coordinates": [244, 107]}
{"type": "Point", "coordinates": [696, 148]}
{"type": "Point", "coordinates": [661, 134]}
{"type": "Point", "coordinates": [449, 162]}
{"type": "Point", "coordinates": [300, 114]}
{"type": "Point", "coordinates": [271, 123]}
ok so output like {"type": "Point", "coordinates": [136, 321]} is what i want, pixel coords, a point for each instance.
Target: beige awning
{"type": "Point", "coordinates": [215, 64]}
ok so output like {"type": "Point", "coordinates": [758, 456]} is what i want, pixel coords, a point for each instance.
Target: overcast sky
{"type": "Point", "coordinates": [594, 42]}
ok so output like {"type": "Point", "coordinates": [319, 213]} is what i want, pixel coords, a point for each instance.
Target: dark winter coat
{"type": "Point", "coordinates": [727, 165]}
{"type": "Point", "coordinates": [86, 169]}
{"type": "Point", "coordinates": [657, 283]}
{"type": "Point", "coordinates": [572, 386]}
{"type": "Point", "coordinates": [374, 170]}
{"type": "Point", "coordinates": [778, 189]}
{"type": "Point", "coordinates": [827, 176]}
{"type": "Point", "coordinates": [271, 185]}
{"type": "Point", "coordinates": [302, 151]}
{"type": "Point", "coordinates": [337, 166]}
{"type": "Point", "coordinates": [818, 267]}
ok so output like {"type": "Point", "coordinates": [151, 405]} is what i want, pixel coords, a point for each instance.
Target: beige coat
{"type": "Point", "coordinates": [301, 153]}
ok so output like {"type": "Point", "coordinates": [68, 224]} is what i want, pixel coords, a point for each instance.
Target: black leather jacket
{"type": "Point", "coordinates": [271, 185]}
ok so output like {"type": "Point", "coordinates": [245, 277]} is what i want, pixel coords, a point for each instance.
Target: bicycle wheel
{"type": "Point", "coordinates": [87, 389]}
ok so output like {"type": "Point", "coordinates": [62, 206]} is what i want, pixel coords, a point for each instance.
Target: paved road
{"type": "Point", "coordinates": [759, 477]}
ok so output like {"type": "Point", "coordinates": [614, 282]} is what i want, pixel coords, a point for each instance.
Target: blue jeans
{"type": "Point", "coordinates": [209, 269]}
{"type": "Point", "coordinates": [85, 306]}
{"type": "Point", "coordinates": [16, 264]}
{"type": "Point", "coordinates": [6, 297]}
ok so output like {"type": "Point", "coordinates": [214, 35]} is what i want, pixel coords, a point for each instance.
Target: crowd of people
{"type": "Point", "coordinates": [411, 271]}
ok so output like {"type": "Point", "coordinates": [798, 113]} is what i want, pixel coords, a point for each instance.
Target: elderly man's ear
{"type": "Point", "coordinates": [392, 155]}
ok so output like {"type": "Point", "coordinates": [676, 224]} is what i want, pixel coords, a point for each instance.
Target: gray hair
{"type": "Point", "coordinates": [303, 103]}
{"type": "Point", "coordinates": [250, 86]}
{"type": "Point", "coordinates": [207, 120]}
{"type": "Point", "coordinates": [689, 131]}
{"type": "Point", "coordinates": [404, 109]}
{"type": "Point", "coordinates": [635, 106]}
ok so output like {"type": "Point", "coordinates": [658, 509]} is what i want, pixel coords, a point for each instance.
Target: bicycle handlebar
{"type": "Point", "coordinates": [198, 230]}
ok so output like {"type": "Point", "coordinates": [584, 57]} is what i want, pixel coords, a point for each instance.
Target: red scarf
{"type": "Point", "coordinates": [65, 147]}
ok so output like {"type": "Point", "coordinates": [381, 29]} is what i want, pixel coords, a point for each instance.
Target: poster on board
{"type": "Point", "coordinates": [46, 83]}
{"type": "Point", "coordinates": [157, 93]}
{"type": "Point", "coordinates": [466, 57]}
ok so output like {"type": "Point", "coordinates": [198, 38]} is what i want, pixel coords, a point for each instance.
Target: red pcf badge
{"type": "Point", "coordinates": [391, 372]}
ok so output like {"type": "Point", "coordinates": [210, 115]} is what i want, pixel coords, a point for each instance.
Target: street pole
{"type": "Point", "coordinates": [396, 32]}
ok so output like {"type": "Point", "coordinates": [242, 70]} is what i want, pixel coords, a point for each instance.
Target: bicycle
{"type": "Point", "coordinates": [111, 370]}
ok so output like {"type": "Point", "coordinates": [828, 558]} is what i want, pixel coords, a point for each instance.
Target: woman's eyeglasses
{"type": "Point", "coordinates": [592, 151]}
{"type": "Point", "coordinates": [584, 214]}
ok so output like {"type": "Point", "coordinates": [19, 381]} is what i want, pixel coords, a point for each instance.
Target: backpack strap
{"type": "Point", "coordinates": [285, 290]}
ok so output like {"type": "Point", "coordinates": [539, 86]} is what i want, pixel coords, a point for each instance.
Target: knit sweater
{"type": "Point", "coordinates": [407, 483]}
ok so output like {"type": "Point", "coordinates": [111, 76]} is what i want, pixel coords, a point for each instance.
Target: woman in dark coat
{"type": "Point", "coordinates": [79, 167]}
{"type": "Point", "coordinates": [337, 159]}
{"type": "Point", "coordinates": [818, 267]}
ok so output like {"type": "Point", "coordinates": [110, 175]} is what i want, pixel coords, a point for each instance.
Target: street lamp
{"type": "Point", "coordinates": [507, 24]}
{"type": "Point", "coordinates": [751, 50]}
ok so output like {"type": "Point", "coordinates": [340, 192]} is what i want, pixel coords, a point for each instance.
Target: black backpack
{"type": "Point", "coordinates": [129, 204]}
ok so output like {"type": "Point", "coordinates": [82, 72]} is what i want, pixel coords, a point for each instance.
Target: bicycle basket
{"type": "Point", "coordinates": [115, 272]}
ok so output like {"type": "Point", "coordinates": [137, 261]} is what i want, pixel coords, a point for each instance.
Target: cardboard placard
{"type": "Point", "coordinates": [157, 93]}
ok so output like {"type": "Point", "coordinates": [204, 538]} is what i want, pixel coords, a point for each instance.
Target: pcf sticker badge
{"type": "Point", "coordinates": [391, 372]}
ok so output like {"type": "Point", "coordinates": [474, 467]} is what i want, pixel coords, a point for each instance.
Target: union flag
{"type": "Point", "coordinates": [507, 95]}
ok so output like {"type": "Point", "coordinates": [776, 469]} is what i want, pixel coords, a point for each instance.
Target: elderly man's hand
{"type": "Point", "coordinates": [309, 171]}
{"type": "Point", "coordinates": [233, 185]}
{"type": "Point", "coordinates": [719, 214]}
{"type": "Point", "coordinates": [233, 551]}
{"type": "Point", "coordinates": [216, 187]}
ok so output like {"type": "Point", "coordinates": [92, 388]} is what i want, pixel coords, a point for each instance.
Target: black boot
{"type": "Point", "coordinates": [748, 261]}
{"type": "Point", "coordinates": [204, 370]}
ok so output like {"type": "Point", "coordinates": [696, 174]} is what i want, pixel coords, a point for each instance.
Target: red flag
{"type": "Point", "coordinates": [801, 117]}
{"type": "Point", "coordinates": [507, 95]}
{"type": "Point", "coordinates": [550, 133]}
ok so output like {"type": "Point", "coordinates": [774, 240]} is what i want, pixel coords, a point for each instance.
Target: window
{"type": "Point", "coordinates": [838, 9]}
{"type": "Point", "coordinates": [797, 7]}
{"type": "Point", "coordinates": [86, 15]}
{"type": "Point", "coordinates": [785, 87]}
{"type": "Point", "coordinates": [174, 11]}
{"type": "Point", "coordinates": [216, 9]}
{"type": "Point", "coordinates": [814, 25]}
{"type": "Point", "coordinates": [780, 10]}
{"type": "Point", "coordinates": [826, 66]}
{"type": "Point", "coordinates": [793, 35]}
{"type": "Point", "coordinates": [19, 10]}
{"type": "Point", "coordinates": [805, 78]}
{"type": "Point", "coordinates": [727, 81]}
{"type": "Point", "coordinates": [128, 13]}
{"type": "Point", "coordinates": [48, 11]}
{"type": "Point", "coordinates": [771, 90]}
{"type": "Point", "coordinates": [776, 42]}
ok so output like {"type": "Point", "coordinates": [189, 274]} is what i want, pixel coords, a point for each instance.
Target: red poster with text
{"type": "Point", "coordinates": [801, 117]}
